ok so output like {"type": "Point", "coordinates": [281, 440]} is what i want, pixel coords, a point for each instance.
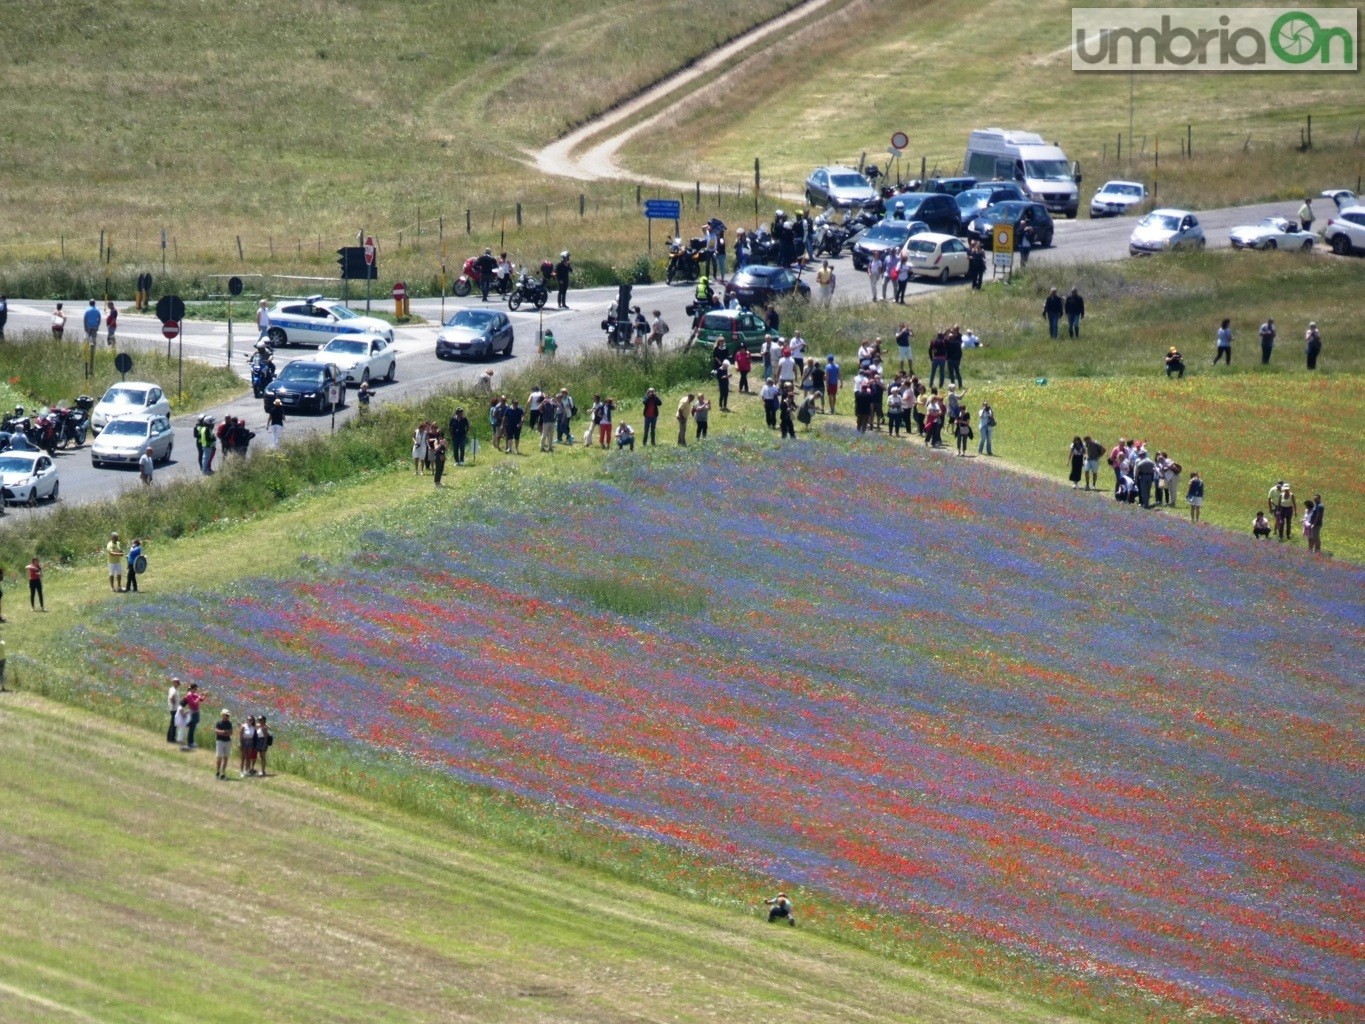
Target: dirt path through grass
{"type": "Point", "coordinates": [139, 889]}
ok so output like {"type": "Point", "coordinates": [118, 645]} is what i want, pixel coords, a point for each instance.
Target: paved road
{"type": "Point", "coordinates": [577, 330]}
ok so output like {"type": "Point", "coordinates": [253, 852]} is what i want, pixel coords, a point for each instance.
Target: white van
{"type": "Point", "coordinates": [1043, 171]}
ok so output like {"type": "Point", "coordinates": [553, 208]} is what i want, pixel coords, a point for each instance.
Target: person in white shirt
{"type": "Point", "coordinates": [172, 706]}
{"type": "Point", "coordinates": [246, 748]}
{"type": "Point", "coordinates": [769, 394]}
{"type": "Point", "coordinates": [533, 402]}
{"type": "Point", "coordinates": [182, 725]}
{"type": "Point", "coordinates": [797, 345]}
{"type": "Point", "coordinates": [786, 370]}
{"type": "Point", "coordinates": [874, 273]}
{"type": "Point", "coordinates": [262, 323]}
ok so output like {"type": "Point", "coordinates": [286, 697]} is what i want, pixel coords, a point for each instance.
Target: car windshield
{"type": "Point", "coordinates": [887, 232]}
{"type": "Point", "coordinates": [16, 464]}
{"type": "Point", "coordinates": [475, 318]}
{"type": "Point", "coordinates": [920, 245]}
{"type": "Point", "coordinates": [1164, 221]}
{"type": "Point", "coordinates": [1277, 223]}
{"type": "Point", "coordinates": [848, 181]}
{"type": "Point", "coordinates": [1113, 189]}
{"type": "Point", "coordinates": [716, 322]}
{"type": "Point", "coordinates": [126, 428]}
{"type": "Point", "coordinates": [342, 313]}
{"type": "Point", "coordinates": [302, 374]}
{"type": "Point", "coordinates": [351, 348]}
{"type": "Point", "coordinates": [1003, 211]}
{"type": "Point", "coordinates": [973, 197]}
{"type": "Point", "coordinates": [1047, 170]}
{"type": "Point", "coordinates": [125, 396]}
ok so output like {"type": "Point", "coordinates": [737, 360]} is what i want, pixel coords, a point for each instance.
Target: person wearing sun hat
{"type": "Point", "coordinates": [222, 735]}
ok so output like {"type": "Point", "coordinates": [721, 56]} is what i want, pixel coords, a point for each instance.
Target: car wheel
{"type": "Point", "coordinates": [95, 463]}
{"type": "Point", "coordinates": [393, 372]}
{"type": "Point", "coordinates": [1341, 245]}
{"type": "Point", "coordinates": [1270, 244]}
{"type": "Point", "coordinates": [365, 375]}
{"type": "Point", "coordinates": [507, 352]}
{"type": "Point", "coordinates": [1200, 245]}
{"type": "Point", "coordinates": [810, 199]}
{"type": "Point", "coordinates": [276, 337]}
{"type": "Point", "coordinates": [943, 276]}
{"type": "Point", "coordinates": [169, 448]}
{"type": "Point", "coordinates": [32, 498]}
{"type": "Point", "coordinates": [1308, 246]}
{"type": "Point", "coordinates": [56, 489]}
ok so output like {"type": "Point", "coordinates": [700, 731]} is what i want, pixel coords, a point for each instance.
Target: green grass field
{"type": "Point", "coordinates": [140, 889]}
{"type": "Point", "coordinates": [935, 72]}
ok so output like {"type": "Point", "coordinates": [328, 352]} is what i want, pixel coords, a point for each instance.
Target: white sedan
{"type": "Point", "coordinates": [27, 477]}
{"type": "Point", "coordinates": [126, 438]}
{"type": "Point", "coordinates": [316, 321]}
{"type": "Point", "coordinates": [361, 357]}
{"type": "Point", "coordinates": [937, 256]}
{"type": "Point", "coordinates": [1115, 198]}
{"type": "Point", "coordinates": [1273, 233]}
{"type": "Point", "coordinates": [128, 399]}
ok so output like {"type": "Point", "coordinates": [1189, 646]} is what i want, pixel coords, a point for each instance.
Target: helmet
{"type": "Point", "coordinates": [564, 255]}
{"type": "Point", "coordinates": [780, 214]}
{"type": "Point", "coordinates": [900, 204]}
{"type": "Point", "coordinates": [702, 279]}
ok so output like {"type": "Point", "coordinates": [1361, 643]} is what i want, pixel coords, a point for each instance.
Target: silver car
{"type": "Point", "coordinates": [123, 441]}
{"type": "Point", "coordinates": [1164, 231]}
{"type": "Point", "coordinates": [839, 188]}
{"type": "Point", "coordinates": [27, 477]}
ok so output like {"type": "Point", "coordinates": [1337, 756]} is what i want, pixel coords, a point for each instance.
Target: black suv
{"type": "Point", "coordinates": [948, 186]}
{"type": "Point", "coordinates": [937, 209]}
{"type": "Point", "coordinates": [1018, 214]}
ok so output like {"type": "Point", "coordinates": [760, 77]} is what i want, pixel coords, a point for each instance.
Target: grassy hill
{"type": "Point", "coordinates": [937, 71]}
{"type": "Point", "coordinates": [139, 889]}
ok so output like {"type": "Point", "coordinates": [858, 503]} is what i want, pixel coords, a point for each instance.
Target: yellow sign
{"type": "Point", "coordinates": [1002, 237]}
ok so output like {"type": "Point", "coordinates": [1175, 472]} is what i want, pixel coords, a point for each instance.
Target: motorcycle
{"type": "Point", "coordinates": [684, 262]}
{"type": "Point", "coordinates": [620, 331]}
{"type": "Point", "coordinates": [528, 290]}
{"type": "Point", "coordinates": [262, 373]}
{"type": "Point", "coordinates": [72, 424]}
{"type": "Point", "coordinates": [18, 423]}
{"type": "Point", "coordinates": [43, 432]}
{"type": "Point", "coordinates": [829, 239]}
{"type": "Point", "coordinates": [471, 277]}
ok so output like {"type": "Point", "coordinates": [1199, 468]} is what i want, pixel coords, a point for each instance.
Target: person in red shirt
{"type": "Point", "coordinates": [743, 363]}
{"type": "Point", "coordinates": [192, 700]}
{"type": "Point", "coordinates": [35, 583]}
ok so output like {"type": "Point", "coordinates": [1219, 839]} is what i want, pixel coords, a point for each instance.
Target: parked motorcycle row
{"type": "Point", "coordinates": [49, 429]}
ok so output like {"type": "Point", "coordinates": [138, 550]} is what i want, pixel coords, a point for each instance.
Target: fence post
{"type": "Point", "coordinates": [637, 195]}
{"type": "Point", "coordinates": [518, 215]}
{"type": "Point", "coordinates": [1310, 131]}
{"type": "Point", "coordinates": [468, 224]}
{"type": "Point", "coordinates": [63, 247]}
{"type": "Point", "coordinates": [270, 242]}
{"type": "Point", "coordinates": [441, 233]}
{"type": "Point", "coordinates": [582, 205]}
{"type": "Point", "coordinates": [419, 222]}
{"type": "Point", "coordinates": [101, 245]}
{"type": "Point", "coordinates": [240, 257]}
{"type": "Point", "coordinates": [1118, 148]}
{"type": "Point", "coordinates": [698, 195]}
{"type": "Point", "coordinates": [1189, 140]}
{"type": "Point", "coordinates": [400, 239]}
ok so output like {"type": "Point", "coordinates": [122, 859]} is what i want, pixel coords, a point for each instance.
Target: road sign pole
{"type": "Point", "coordinates": [229, 359]}
{"type": "Point", "coordinates": [180, 386]}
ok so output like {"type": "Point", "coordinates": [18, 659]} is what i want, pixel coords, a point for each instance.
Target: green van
{"type": "Point", "coordinates": [735, 327]}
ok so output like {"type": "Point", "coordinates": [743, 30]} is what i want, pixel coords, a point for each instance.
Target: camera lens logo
{"type": "Point", "coordinates": [1296, 37]}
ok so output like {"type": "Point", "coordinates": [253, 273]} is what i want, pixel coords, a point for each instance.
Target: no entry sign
{"type": "Point", "coordinates": [400, 291]}
{"type": "Point", "coordinates": [170, 330]}
{"type": "Point", "coordinates": [369, 250]}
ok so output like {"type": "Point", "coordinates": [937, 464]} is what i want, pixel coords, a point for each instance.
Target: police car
{"type": "Point", "coordinates": [316, 321]}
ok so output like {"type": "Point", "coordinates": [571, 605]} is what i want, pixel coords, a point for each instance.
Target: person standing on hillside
{"type": "Point", "coordinates": [684, 414]}
{"type": "Point", "coordinates": [134, 553]}
{"type": "Point", "coordinates": [832, 375]}
{"type": "Point", "coordinates": [276, 422]}
{"type": "Point", "coordinates": [985, 422]}
{"type": "Point", "coordinates": [1074, 306]}
{"type": "Point", "coordinates": [222, 744]}
{"type": "Point", "coordinates": [438, 460]}
{"type": "Point", "coordinates": [146, 466]}
{"type": "Point", "coordinates": [35, 583]}
{"type": "Point", "coordinates": [110, 321]}
{"type": "Point", "coordinates": [874, 273]}
{"type": "Point", "coordinates": [58, 323]}
{"type": "Point", "coordinates": [182, 726]}
{"type": "Point", "coordinates": [1194, 494]}
{"type": "Point", "coordinates": [549, 417]}
{"type": "Point", "coordinates": [976, 264]}
{"type": "Point", "coordinates": [1315, 524]}
{"type": "Point", "coordinates": [1312, 345]}
{"type": "Point", "coordinates": [562, 271]}
{"type": "Point", "coordinates": [172, 705]}
{"type": "Point", "coordinates": [1052, 310]}
{"type": "Point", "coordinates": [903, 336]}
{"type": "Point", "coordinates": [1094, 451]}
{"type": "Point", "coordinates": [1267, 340]}
{"type": "Point", "coordinates": [1306, 213]}
{"type": "Point", "coordinates": [1223, 349]}
{"type": "Point", "coordinates": [246, 748]}
{"type": "Point", "coordinates": [192, 701]}
{"type": "Point", "coordinates": [265, 739]}
{"type": "Point", "coordinates": [459, 435]}
{"type": "Point", "coordinates": [114, 556]}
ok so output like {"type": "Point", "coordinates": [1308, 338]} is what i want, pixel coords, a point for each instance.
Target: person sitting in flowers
{"type": "Point", "coordinates": [780, 908]}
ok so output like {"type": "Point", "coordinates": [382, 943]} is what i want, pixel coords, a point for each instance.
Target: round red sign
{"type": "Point", "coordinates": [399, 289]}
{"type": "Point", "coordinates": [900, 140]}
{"type": "Point", "coordinates": [170, 330]}
{"type": "Point", "coordinates": [369, 250]}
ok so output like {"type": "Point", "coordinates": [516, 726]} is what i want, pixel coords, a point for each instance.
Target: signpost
{"type": "Point", "coordinates": [369, 264]}
{"type": "Point", "coordinates": [123, 363]}
{"type": "Point", "coordinates": [899, 142]}
{"type": "Point", "coordinates": [333, 394]}
{"type": "Point", "coordinates": [662, 209]}
{"type": "Point", "coordinates": [1002, 245]}
{"type": "Point", "coordinates": [400, 294]}
{"type": "Point", "coordinates": [234, 289]}
{"type": "Point", "coordinates": [170, 310]}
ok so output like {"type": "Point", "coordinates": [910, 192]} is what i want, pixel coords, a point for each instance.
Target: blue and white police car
{"type": "Point", "coordinates": [316, 321]}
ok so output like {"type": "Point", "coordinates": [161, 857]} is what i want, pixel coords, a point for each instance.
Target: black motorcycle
{"type": "Point", "coordinates": [73, 424]}
{"type": "Point", "coordinates": [17, 423]}
{"type": "Point", "coordinates": [829, 238]}
{"type": "Point", "coordinates": [530, 291]}
{"type": "Point", "coordinates": [620, 331]}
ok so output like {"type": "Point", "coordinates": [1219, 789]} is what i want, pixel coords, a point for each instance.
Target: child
{"type": "Point", "coordinates": [1195, 496]}
{"type": "Point", "coordinates": [182, 725]}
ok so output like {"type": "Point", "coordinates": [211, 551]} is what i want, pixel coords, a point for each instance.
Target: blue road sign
{"type": "Point", "coordinates": [663, 209]}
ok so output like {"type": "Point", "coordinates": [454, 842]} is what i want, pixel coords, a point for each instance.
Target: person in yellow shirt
{"type": "Point", "coordinates": [114, 552]}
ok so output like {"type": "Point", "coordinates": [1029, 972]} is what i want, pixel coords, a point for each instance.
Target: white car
{"type": "Point", "coordinates": [27, 477]}
{"type": "Point", "coordinates": [361, 357]}
{"type": "Point", "coordinates": [1164, 231]}
{"type": "Point", "coordinates": [1273, 233]}
{"type": "Point", "coordinates": [316, 321]}
{"type": "Point", "coordinates": [937, 256]}
{"type": "Point", "coordinates": [125, 439]}
{"type": "Point", "coordinates": [1345, 232]}
{"type": "Point", "coordinates": [1116, 198]}
{"type": "Point", "coordinates": [131, 398]}
{"type": "Point", "coordinates": [1342, 197]}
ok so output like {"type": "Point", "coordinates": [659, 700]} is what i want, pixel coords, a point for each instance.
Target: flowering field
{"type": "Point", "coordinates": [1117, 746]}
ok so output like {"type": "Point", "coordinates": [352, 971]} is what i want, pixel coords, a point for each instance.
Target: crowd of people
{"type": "Point", "coordinates": [254, 738]}
{"type": "Point", "coordinates": [1269, 336]}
